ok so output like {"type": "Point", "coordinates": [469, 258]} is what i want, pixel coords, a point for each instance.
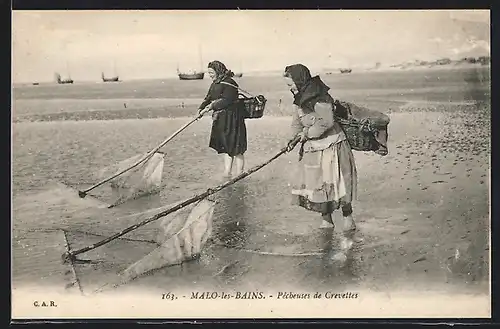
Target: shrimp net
{"type": "Point", "coordinates": [141, 180]}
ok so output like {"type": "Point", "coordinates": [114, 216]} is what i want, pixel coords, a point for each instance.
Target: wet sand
{"type": "Point", "coordinates": [423, 210]}
{"type": "Point", "coordinates": [416, 206]}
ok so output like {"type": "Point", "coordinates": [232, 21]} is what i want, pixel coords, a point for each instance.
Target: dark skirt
{"type": "Point", "coordinates": [229, 132]}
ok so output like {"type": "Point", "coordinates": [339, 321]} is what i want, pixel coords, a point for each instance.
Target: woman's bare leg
{"type": "Point", "coordinates": [348, 228]}
{"type": "Point", "coordinates": [240, 163]}
{"type": "Point", "coordinates": [228, 164]}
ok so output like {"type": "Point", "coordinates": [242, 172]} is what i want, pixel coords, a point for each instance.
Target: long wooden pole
{"type": "Point", "coordinates": [83, 193]}
{"type": "Point", "coordinates": [70, 255]}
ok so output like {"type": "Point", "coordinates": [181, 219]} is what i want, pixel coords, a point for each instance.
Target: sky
{"type": "Point", "coordinates": [152, 44]}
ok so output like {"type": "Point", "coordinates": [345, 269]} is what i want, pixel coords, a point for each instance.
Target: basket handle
{"type": "Point", "coordinates": [243, 91]}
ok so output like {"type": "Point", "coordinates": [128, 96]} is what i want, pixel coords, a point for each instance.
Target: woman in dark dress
{"type": "Point", "coordinates": [229, 134]}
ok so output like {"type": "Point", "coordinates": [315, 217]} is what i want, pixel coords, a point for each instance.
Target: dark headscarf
{"type": "Point", "coordinates": [310, 89]}
{"type": "Point", "coordinates": [220, 70]}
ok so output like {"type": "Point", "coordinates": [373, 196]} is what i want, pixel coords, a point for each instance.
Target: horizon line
{"type": "Point", "coordinates": [393, 67]}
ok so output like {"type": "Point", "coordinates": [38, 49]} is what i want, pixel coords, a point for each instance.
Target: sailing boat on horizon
{"type": "Point", "coordinates": [115, 78]}
{"type": "Point", "coordinates": [192, 75]}
{"type": "Point", "coordinates": [345, 71]}
{"type": "Point", "coordinates": [61, 81]}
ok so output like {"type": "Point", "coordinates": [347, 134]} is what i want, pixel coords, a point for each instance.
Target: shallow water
{"type": "Point", "coordinates": [255, 215]}
{"type": "Point", "coordinates": [382, 91]}
{"type": "Point", "coordinates": [411, 81]}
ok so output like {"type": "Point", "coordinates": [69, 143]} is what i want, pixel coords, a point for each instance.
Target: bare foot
{"type": "Point", "coordinates": [327, 221]}
{"type": "Point", "coordinates": [349, 229]}
{"type": "Point", "coordinates": [325, 224]}
{"type": "Point", "coordinates": [348, 224]}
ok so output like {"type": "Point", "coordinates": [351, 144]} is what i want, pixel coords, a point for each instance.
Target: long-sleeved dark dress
{"type": "Point", "coordinates": [229, 133]}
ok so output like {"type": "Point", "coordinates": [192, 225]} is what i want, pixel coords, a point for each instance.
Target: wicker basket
{"type": "Point", "coordinates": [361, 135]}
{"type": "Point", "coordinates": [364, 128]}
{"type": "Point", "coordinates": [253, 107]}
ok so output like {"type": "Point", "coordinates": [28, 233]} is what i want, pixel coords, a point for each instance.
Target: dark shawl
{"type": "Point", "coordinates": [220, 70]}
{"type": "Point", "coordinates": [311, 90]}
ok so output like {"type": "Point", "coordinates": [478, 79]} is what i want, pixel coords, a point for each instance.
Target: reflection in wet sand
{"type": "Point", "coordinates": [336, 267]}
{"type": "Point", "coordinates": [230, 224]}
{"type": "Point", "coordinates": [231, 231]}
{"type": "Point", "coordinates": [248, 254]}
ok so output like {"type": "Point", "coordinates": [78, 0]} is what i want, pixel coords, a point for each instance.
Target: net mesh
{"type": "Point", "coordinates": [182, 236]}
{"type": "Point", "coordinates": [141, 180]}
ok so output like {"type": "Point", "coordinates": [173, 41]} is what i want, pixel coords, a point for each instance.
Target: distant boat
{"type": "Point", "coordinates": [115, 78]}
{"type": "Point", "coordinates": [112, 79]}
{"type": "Point", "coordinates": [36, 83]}
{"type": "Point", "coordinates": [343, 71]}
{"type": "Point", "coordinates": [191, 76]}
{"type": "Point", "coordinates": [195, 75]}
{"type": "Point", "coordinates": [63, 81]}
